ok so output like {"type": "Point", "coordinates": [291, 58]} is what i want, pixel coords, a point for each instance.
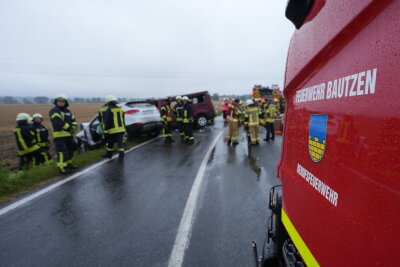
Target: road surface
{"type": "Point", "coordinates": [130, 214]}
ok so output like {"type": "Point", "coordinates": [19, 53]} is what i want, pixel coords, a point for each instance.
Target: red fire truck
{"type": "Point", "coordinates": [339, 202]}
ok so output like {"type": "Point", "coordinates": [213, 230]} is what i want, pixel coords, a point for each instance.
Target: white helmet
{"type": "Point", "coordinates": [61, 96]}
{"type": "Point", "coordinates": [178, 97]}
{"type": "Point", "coordinates": [30, 120]}
{"type": "Point", "coordinates": [37, 115]}
{"type": "Point", "coordinates": [110, 98]}
{"type": "Point", "coordinates": [185, 98]}
{"type": "Point", "coordinates": [22, 117]}
{"type": "Point", "coordinates": [275, 99]}
{"type": "Point", "coordinates": [249, 102]}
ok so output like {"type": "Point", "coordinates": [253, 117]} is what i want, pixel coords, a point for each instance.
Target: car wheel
{"type": "Point", "coordinates": [201, 121]}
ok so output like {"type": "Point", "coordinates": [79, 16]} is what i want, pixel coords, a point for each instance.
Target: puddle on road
{"type": "Point", "coordinates": [253, 164]}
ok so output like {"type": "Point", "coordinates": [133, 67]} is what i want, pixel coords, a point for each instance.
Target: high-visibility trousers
{"type": "Point", "coordinates": [115, 138]}
{"type": "Point", "coordinates": [188, 131]}
{"type": "Point", "coordinates": [167, 130]}
{"type": "Point", "coordinates": [181, 129]}
{"type": "Point", "coordinates": [233, 131]}
{"type": "Point", "coordinates": [270, 131]}
{"type": "Point", "coordinates": [254, 137]}
{"type": "Point", "coordinates": [65, 147]}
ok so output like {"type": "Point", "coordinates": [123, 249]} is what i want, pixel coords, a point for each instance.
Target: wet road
{"type": "Point", "coordinates": [128, 214]}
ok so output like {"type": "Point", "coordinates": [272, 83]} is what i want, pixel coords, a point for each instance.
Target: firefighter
{"type": "Point", "coordinates": [188, 120]}
{"type": "Point", "coordinates": [42, 137]}
{"type": "Point", "coordinates": [234, 115]}
{"type": "Point", "coordinates": [224, 108]}
{"type": "Point", "coordinates": [252, 119]}
{"type": "Point", "coordinates": [178, 111]}
{"type": "Point", "coordinates": [270, 115]}
{"type": "Point", "coordinates": [262, 108]}
{"type": "Point", "coordinates": [64, 126]}
{"type": "Point", "coordinates": [113, 123]}
{"type": "Point", "coordinates": [166, 117]}
{"type": "Point", "coordinates": [28, 150]}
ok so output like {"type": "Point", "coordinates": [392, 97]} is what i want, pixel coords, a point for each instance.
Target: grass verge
{"type": "Point", "coordinates": [16, 183]}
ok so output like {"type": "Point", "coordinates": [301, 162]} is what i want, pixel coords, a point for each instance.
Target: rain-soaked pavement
{"type": "Point", "coordinates": [128, 214]}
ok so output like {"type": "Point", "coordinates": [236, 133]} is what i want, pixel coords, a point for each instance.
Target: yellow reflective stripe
{"type": "Point", "coordinates": [61, 164]}
{"type": "Point", "coordinates": [298, 241]}
{"type": "Point", "coordinates": [56, 115]}
{"type": "Point", "coordinates": [20, 139]}
{"type": "Point", "coordinates": [121, 115]}
{"type": "Point", "coordinates": [45, 157]}
{"type": "Point", "coordinates": [61, 134]}
{"type": "Point", "coordinates": [116, 130]}
{"type": "Point", "coordinates": [28, 150]}
{"type": "Point", "coordinates": [66, 126]}
{"type": "Point", "coordinates": [39, 138]}
{"type": "Point", "coordinates": [116, 112]}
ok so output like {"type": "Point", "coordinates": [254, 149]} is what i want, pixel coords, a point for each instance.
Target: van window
{"type": "Point", "coordinates": [198, 99]}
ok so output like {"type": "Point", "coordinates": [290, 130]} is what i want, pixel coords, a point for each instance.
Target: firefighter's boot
{"type": "Point", "coordinates": [121, 155]}
{"type": "Point", "coordinates": [107, 155]}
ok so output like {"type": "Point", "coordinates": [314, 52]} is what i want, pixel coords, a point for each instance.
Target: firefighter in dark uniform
{"type": "Point", "coordinates": [28, 150]}
{"type": "Point", "coordinates": [178, 111]}
{"type": "Point", "coordinates": [42, 137]}
{"type": "Point", "coordinates": [64, 126]}
{"type": "Point", "coordinates": [113, 123]}
{"type": "Point", "coordinates": [270, 116]}
{"type": "Point", "coordinates": [188, 120]}
{"type": "Point", "coordinates": [166, 118]}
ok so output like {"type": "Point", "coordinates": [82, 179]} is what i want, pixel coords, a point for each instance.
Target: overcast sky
{"type": "Point", "coordinates": [145, 48]}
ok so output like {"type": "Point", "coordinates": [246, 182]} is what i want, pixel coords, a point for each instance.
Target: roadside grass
{"type": "Point", "coordinates": [15, 183]}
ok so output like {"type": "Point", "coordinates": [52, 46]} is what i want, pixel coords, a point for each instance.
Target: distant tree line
{"type": "Point", "coordinates": [218, 97]}
{"type": "Point", "coordinates": [46, 100]}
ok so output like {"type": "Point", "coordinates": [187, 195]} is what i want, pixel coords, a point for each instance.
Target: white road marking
{"type": "Point", "coordinates": [183, 236]}
{"type": "Point", "coordinates": [63, 181]}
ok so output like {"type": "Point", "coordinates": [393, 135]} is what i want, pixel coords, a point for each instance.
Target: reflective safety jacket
{"type": "Point", "coordinates": [25, 137]}
{"type": "Point", "coordinates": [234, 113]}
{"type": "Point", "coordinates": [270, 114]}
{"type": "Point", "coordinates": [187, 113]}
{"type": "Point", "coordinates": [225, 106]}
{"type": "Point", "coordinates": [252, 116]}
{"type": "Point", "coordinates": [63, 121]}
{"type": "Point", "coordinates": [166, 113]}
{"type": "Point", "coordinates": [178, 111]}
{"type": "Point", "coordinates": [41, 135]}
{"type": "Point", "coordinates": [112, 119]}
{"type": "Point", "coordinates": [262, 108]}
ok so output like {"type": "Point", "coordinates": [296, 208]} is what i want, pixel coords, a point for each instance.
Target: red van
{"type": "Point", "coordinates": [203, 108]}
{"type": "Point", "coordinates": [339, 203]}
